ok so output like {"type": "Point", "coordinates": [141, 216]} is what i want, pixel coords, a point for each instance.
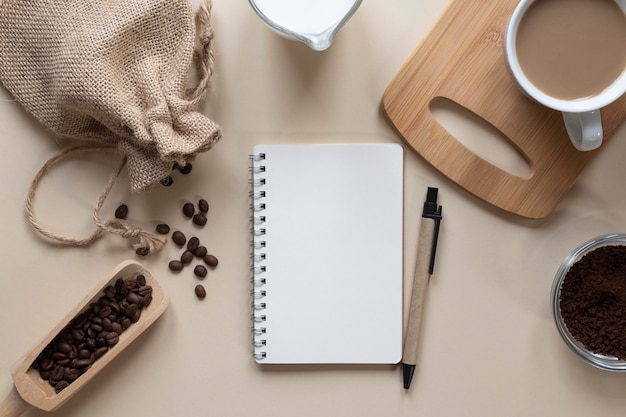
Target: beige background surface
{"type": "Point", "coordinates": [489, 345]}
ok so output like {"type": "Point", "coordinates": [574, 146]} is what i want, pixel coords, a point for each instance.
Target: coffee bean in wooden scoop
{"type": "Point", "coordinates": [32, 390]}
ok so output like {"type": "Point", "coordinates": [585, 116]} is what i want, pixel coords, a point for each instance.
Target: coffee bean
{"type": "Point", "coordinates": [107, 324]}
{"type": "Point", "coordinates": [95, 327]}
{"type": "Point", "coordinates": [82, 363]}
{"type": "Point", "coordinates": [143, 251]}
{"type": "Point", "coordinates": [112, 338]}
{"type": "Point", "coordinates": [72, 353]}
{"type": "Point", "coordinates": [211, 260]}
{"type": "Point", "coordinates": [188, 210]}
{"type": "Point", "coordinates": [185, 169]}
{"type": "Point", "coordinates": [203, 205]}
{"type": "Point", "coordinates": [121, 212]}
{"type": "Point", "coordinates": [98, 353]}
{"type": "Point", "coordinates": [200, 291]}
{"type": "Point", "coordinates": [120, 288]}
{"type": "Point", "coordinates": [46, 364]}
{"type": "Point", "coordinates": [109, 291]}
{"type": "Point", "coordinates": [193, 244]}
{"type": "Point", "coordinates": [58, 373]}
{"type": "Point", "coordinates": [186, 257]}
{"type": "Point", "coordinates": [147, 300]}
{"type": "Point", "coordinates": [140, 280]}
{"type": "Point", "coordinates": [144, 290]}
{"type": "Point", "coordinates": [200, 271]}
{"type": "Point", "coordinates": [71, 374]}
{"type": "Point", "coordinates": [135, 318]}
{"type": "Point", "coordinates": [64, 347]}
{"type": "Point", "coordinates": [84, 354]}
{"type": "Point", "coordinates": [131, 310]}
{"type": "Point", "coordinates": [167, 181]}
{"type": "Point", "coordinates": [105, 311]}
{"type": "Point", "coordinates": [179, 238]}
{"type": "Point", "coordinates": [60, 386]}
{"type": "Point", "coordinates": [116, 327]}
{"type": "Point", "coordinates": [200, 252]}
{"type": "Point", "coordinates": [91, 343]}
{"type": "Point", "coordinates": [133, 298]}
{"type": "Point", "coordinates": [78, 334]}
{"type": "Point", "coordinates": [162, 229]}
{"type": "Point", "coordinates": [175, 265]}
{"type": "Point", "coordinates": [199, 220]}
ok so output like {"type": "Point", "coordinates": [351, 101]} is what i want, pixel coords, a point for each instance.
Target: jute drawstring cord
{"type": "Point", "coordinates": [152, 242]}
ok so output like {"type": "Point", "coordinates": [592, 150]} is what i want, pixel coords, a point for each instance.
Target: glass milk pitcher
{"type": "Point", "coordinates": [314, 22]}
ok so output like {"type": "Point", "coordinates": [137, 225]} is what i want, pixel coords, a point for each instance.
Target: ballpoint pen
{"type": "Point", "coordinates": [426, 249]}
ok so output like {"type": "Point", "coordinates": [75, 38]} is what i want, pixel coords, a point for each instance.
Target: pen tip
{"type": "Point", "coordinates": [407, 374]}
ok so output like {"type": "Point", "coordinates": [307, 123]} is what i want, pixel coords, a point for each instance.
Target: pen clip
{"type": "Point", "coordinates": [431, 265]}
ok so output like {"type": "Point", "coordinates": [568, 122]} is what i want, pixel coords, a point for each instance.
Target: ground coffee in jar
{"type": "Point", "coordinates": [593, 301]}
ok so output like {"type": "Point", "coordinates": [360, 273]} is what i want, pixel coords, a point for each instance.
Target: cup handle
{"type": "Point", "coordinates": [584, 129]}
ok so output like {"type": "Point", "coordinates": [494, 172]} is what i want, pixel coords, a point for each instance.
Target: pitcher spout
{"type": "Point", "coordinates": [313, 22]}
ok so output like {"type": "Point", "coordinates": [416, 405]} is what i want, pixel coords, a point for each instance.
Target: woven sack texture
{"type": "Point", "coordinates": [114, 73]}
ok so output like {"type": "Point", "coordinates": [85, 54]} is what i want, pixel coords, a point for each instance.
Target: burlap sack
{"type": "Point", "coordinates": [113, 74]}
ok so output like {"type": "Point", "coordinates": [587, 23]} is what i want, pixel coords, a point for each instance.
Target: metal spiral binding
{"type": "Point", "coordinates": [258, 268]}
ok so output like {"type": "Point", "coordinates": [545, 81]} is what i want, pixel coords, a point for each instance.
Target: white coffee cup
{"type": "Point", "coordinates": [581, 116]}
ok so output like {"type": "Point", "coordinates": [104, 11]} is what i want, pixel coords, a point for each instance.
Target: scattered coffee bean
{"type": "Point", "coordinates": [176, 265]}
{"type": "Point", "coordinates": [142, 251]}
{"type": "Point", "coordinates": [193, 244]}
{"type": "Point", "coordinates": [200, 291]}
{"type": "Point", "coordinates": [162, 229]}
{"type": "Point", "coordinates": [179, 238]}
{"type": "Point", "coordinates": [121, 212]}
{"type": "Point", "coordinates": [186, 169]}
{"type": "Point", "coordinates": [211, 260]}
{"type": "Point", "coordinates": [200, 271]}
{"type": "Point", "coordinates": [199, 219]}
{"type": "Point", "coordinates": [186, 257]}
{"type": "Point", "coordinates": [200, 252]}
{"type": "Point", "coordinates": [167, 181]}
{"type": "Point", "coordinates": [203, 205]}
{"type": "Point", "coordinates": [92, 333]}
{"type": "Point", "coordinates": [188, 210]}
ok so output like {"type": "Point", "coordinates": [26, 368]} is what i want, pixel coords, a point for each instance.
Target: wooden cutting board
{"type": "Point", "coordinates": [462, 60]}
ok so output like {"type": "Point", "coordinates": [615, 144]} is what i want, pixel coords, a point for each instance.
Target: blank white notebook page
{"type": "Point", "coordinates": [328, 278]}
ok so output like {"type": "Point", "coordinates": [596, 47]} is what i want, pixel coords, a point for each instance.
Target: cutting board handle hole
{"type": "Point", "coordinates": [479, 136]}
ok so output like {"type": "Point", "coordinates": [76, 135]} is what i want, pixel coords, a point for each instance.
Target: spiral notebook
{"type": "Point", "coordinates": [327, 253]}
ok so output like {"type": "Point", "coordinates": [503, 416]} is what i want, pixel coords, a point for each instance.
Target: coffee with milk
{"type": "Point", "coordinates": [572, 49]}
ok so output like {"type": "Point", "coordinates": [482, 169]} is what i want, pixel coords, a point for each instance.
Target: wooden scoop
{"type": "Point", "coordinates": [31, 390]}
